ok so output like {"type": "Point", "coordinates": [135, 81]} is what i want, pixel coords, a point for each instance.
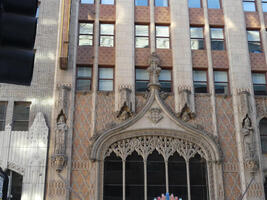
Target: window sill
{"type": "Point", "coordinates": [107, 93]}
{"type": "Point", "coordinates": [223, 95]}
{"type": "Point", "coordinates": [84, 92]}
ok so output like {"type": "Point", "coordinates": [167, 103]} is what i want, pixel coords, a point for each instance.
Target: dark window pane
{"type": "Point", "coordinates": [197, 44]}
{"type": "Point", "coordinates": [141, 2]}
{"type": "Point", "coordinates": [217, 45]}
{"type": "Point", "coordinates": [215, 4]}
{"type": "Point", "coordinates": [2, 125]}
{"type": "Point", "coordinates": [83, 84]}
{"type": "Point", "coordinates": [260, 90]}
{"type": "Point", "coordinates": [3, 106]}
{"type": "Point", "coordinates": [162, 3]}
{"type": "Point", "coordinates": [254, 47]}
{"type": "Point", "coordinates": [112, 178]}
{"type": "Point", "coordinates": [134, 177]}
{"type": "Point", "coordinates": [155, 175]}
{"type": "Point", "coordinates": [198, 178]}
{"type": "Point", "coordinates": [165, 86]}
{"type": "Point", "coordinates": [263, 134]}
{"type": "Point", "coordinates": [16, 186]}
{"type": "Point", "coordinates": [105, 85]}
{"type": "Point", "coordinates": [200, 87]}
{"type": "Point", "coordinates": [141, 86]}
{"type": "Point", "coordinates": [221, 88]}
{"type": "Point", "coordinates": [194, 4]}
{"type": "Point", "coordinates": [21, 116]}
{"type": "Point", "coordinates": [177, 176]}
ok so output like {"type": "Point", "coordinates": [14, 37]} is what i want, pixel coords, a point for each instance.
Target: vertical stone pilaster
{"type": "Point", "coordinates": [124, 69]}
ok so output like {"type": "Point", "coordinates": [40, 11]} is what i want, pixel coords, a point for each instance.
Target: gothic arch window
{"type": "Point", "coordinates": [263, 134]}
{"type": "Point", "coordinates": [143, 168]}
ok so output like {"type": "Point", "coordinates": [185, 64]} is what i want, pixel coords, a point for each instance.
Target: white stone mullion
{"type": "Point", "coordinates": [95, 67]}
{"type": "Point", "coordinates": [167, 176]}
{"type": "Point", "coordinates": [145, 179]}
{"type": "Point", "coordinates": [152, 27]}
{"type": "Point", "coordinates": [188, 179]}
{"type": "Point", "coordinates": [125, 51]}
{"type": "Point", "coordinates": [210, 67]}
{"type": "Point", "coordinates": [239, 68]}
{"type": "Point", "coordinates": [180, 39]}
{"type": "Point", "coordinates": [123, 179]}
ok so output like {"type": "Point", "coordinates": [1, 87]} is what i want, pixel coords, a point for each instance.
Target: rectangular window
{"type": "Point", "coordinates": [264, 5]}
{"type": "Point", "coordinates": [214, 4]}
{"type": "Point", "coordinates": [141, 2]}
{"type": "Point", "coordinates": [217, 38]}
{"type": "Point", "coordinates": [106, 35]}
{"type": "Point", "coordinates": [107, 2]}
{"type": "Point", "coordinates": [21, 116]}
{"type": "Point", "coordinates": [86, 32]}
{"type": "Point", "coordinates": [162, 37]}
{"type": "Point", "coordinates": [141, 36]}
{"type": "Point", "coordinates": [84, 78]}
{"type": "Point", "coordinates": [259, 83]}
{"type": "Point", "coordinates": [161, 3]}
{"type": "Point", "coordinates": [165, 80]}
{"type": "Point", "coordinates": [221, 82]}
{"type": "Point", "coordinates": [197, 38]}
{"type": "Point", "coordinates": [194, 3]}
{"type": "Point", "coordinates": [254, 41]}
{"type": "Point", "coordinates": [249, 5]}
{"type": "Point", "coordinates": [141, 80]}
{"type": "Point", "coordinates": [3, 106]}
{"type": "Point", "coordinates": [87, 1]}
{"type": "Point", "coordinates": [105, 80]}
{"type": "Point", "coordinates": [200, 81]}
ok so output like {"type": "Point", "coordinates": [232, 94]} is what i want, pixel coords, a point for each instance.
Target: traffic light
{"type": "Point", "coordinates": [17, 36]}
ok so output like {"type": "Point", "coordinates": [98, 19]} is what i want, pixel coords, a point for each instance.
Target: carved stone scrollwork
{"type": "Point", "coordinates": [60, 158]}
{"type": "Point", "coordinates": [126, 103]}
{"type": "Point", "coordinates": [166, 146]}
{"type": "Point", "coordinates": [250, 156]}
{"type": "Point", "coordinates": [187, 108]}
{"type": "Point", "coordinates": [155, 115]}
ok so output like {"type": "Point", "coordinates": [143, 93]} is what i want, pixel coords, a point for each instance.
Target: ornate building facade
{"type": "Point", "coordinates": [142, 98]}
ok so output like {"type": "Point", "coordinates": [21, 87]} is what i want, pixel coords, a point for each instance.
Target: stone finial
{"type": "Point", "coordinates": [154, 71]}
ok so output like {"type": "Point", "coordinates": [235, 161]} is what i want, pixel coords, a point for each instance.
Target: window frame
{"type": "Point", "coordinates": [136, 80]}
{"type": "Point", "coordinates": [214, 82]}
{"type": "Point", "coordinates": [84, 78]}
{"type": "Point", "coordinates": [156, 37]}
{"type": "Point", "coordinates": [262, 3]}
{"type": "Point", "coordinates": [168, 4]}
{"type": "Point", "coordinates": [13, 116]}
{"type": "Point", "coordinates": [87, 22]}
{"type": "Point", "coordinates": [135, 36]}
{"type": "Point", "coordinates": [99, 79]}
{"type": "Point", "coordinates": [250, 1]}
{"type": "Point", "coordinates": [218, 39]}
{"type": "Point", "coordinates": [114, 34]}
{"type": "Point", "coordinates": [207, 80]}
{"type": "Point", "coordinates": [169, 81]}
{"type": "Point", "coordinates": [262, 135]}
{"type": "Point", "coordinates": [265, 76]}
{"type": "Point", "coordinates": [259, 42]}
{"type": "Point", "coordinates": [3, 121]}
{"type": "Point", "coordinates": [195, 38]}
{"type": "Point", "coordinates": [200, 1]}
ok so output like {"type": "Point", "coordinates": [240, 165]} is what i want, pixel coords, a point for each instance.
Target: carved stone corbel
{"type": "Point", "coordinates": [186, 105]}
{"type": "Point", "coordinates": [125, 103]}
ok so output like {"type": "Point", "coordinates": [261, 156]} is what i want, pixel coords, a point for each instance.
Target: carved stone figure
{"type": "Point", "coordinates": [187, 111]}
{"type": "Point", "coordinates": [125, 111]}
{"type": "Point", "coordinates": [248, 139]}
{"type": "Point", "coordinates": [60, 143]}
{"type": "Point", "coordinates": [154, 70]}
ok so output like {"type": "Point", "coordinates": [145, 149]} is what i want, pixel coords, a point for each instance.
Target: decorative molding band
{"type": "Point", "coordinates": [13, 166]}
{"type": "Point", "coordinates": [242, 90]}
{"type": "Point", "coordinates": [181, 88]}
